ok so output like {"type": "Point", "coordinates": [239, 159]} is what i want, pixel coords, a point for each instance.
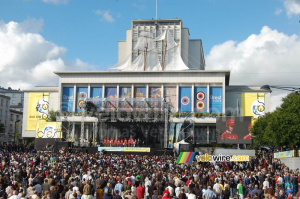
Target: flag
{"type": "Point", "coordinates": [185, 157]}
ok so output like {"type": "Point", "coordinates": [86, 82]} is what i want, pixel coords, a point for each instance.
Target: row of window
{"type": "Point", "coordinates": [4, 101]}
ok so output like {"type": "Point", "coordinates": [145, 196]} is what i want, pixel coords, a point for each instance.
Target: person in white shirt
{"type": "Point", "coordinates": [266, 183]}
{"type": "Point", "coordinates": [177, 191]}
{"type": "Point", "coordinates": [191, 195]}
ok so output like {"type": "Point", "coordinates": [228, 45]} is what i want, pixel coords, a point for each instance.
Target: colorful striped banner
{"type": "Point", "coordinates": [185, 157]}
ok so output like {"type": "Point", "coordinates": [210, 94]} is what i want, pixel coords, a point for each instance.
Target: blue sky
{"type": "Point", "coordinates": [90, 37]}
{"type": "Point", "coordinates": [258, 40]}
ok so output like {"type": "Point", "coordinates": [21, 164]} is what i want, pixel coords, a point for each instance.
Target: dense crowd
{"type": "Point", "coordinates": [77, 175]}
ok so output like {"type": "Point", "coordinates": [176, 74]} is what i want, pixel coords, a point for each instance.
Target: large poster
{"type": "Point", "coordinates": [185, 99]}
{"type": "Point", "coordinates": [171, 96]}
{"type": "Point", "coordinates": [253, 104]}
{"type": "Point", "coordinates": [236, 130]}
{"type": "Point", "coordinates": [67, 99]}
{"type": "Point", "coordinates": [140, 92]}
{"type": "Point", "coordinates": [171, 135]}
{"type": "Point", "coordinates": [215, 100]}
{"type": "Point", "coordinates": [154, 92]}
{"type": "Point", "coordinates": [38, 107]}
{"type": "Point", "coordinates": [81, 96]}
{"type": "Point", "coordinates": [96, 92]}
{"type": "Point", "coordinates": [48, 130]}
{"type": "Point", "coordinates": [125, 92]}
{"type": "Point", "coordinates": [200, 99]}
{"type": "Point", "coordinates": [111, 92]}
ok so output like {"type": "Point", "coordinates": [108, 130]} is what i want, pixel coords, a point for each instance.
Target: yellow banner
{"type": "Point", "coordinates": [48, 130]}
{"type": "Point", "coordinates": [38, 106]}
{"type": "Point", "coordinates": [253, 104]}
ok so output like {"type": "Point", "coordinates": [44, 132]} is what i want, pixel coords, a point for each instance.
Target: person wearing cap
{"type": "Point", "coordinates": [230, 123]}
{"type": "Point", "coordinates": [249, 136]}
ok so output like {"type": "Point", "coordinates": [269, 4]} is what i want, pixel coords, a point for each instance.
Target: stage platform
{"type": "Point", "coordinates": [124, 150]}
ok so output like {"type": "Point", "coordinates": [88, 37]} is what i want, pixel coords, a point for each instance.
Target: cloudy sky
{"type": "Point", "coordinates": [257, 40]}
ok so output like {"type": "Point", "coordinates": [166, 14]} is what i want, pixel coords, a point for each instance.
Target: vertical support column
{"type": "Point", "coordinates": [89, 90]}
{"type": "Point", "coordinates": [166, 126]}
{"type": "Point", "coordinates": [193, 98]}
{"type": "Point", "coordinates": [75, 98]}
{"type": "Point", "coordinates": [208, 98]}
{"type": "Point", "coordinates": [73, 132]}
{"type": "Point", "coordinates": [223, 97]}
{"type": "Point", "coordinates": [82, 127]}
{"type": "Point", "coordinates": [207, 135]}
{"type": "Point", "coordinates": [178, 100]}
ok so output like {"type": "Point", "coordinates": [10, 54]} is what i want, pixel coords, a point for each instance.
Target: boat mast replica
{"type": "Point", "coordinates": [148, 60]}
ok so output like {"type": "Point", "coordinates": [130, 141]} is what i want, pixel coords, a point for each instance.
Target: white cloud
{"type": "Point", "coordinates": [105, 15]}
{"type": "Point", "coordinates": [27, 59]}
{"type": "Point", "coordinates": [292, 7]}
{"type": "Point", "coordinates": [278, 11]}
{"type": "Point", "coordinates": [56, 1]}
{"type": "Point", "coordinates": [270, 57]}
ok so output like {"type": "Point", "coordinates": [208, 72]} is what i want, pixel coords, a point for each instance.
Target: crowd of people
{"type": "Point", "coordinates": [45, 175]}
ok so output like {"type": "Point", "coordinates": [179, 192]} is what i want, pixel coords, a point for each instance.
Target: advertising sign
{"type": "Point", "coordinates": [253, 104]}
{"type": "Point", "coordinates": [215, 100]}
{"type": "Point", "coordinates": [96, 92]}
{"type": "Point", "coordinates": [48, 130]}
{"type": "Point", "coordinates": [81, 96]}
{"type": "Point", "coordinates": [200, 99]}
{"type": "Point", "coordinates": [235, 130]}
{"type": "Point", "coordinates": [185, 99]}
{"type": "Point", "coordinates": [38, 107]}
{"type": "Point", "coordinates": [67, 99]}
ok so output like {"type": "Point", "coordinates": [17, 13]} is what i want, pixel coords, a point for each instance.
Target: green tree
{"type": "Point", "coordinates": [280, 127]}
{"type": "Point", "coordinates": [52, 116]}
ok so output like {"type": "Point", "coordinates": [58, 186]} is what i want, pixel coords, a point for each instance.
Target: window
{"type": "Point", "coordinates": [7, 103]}
{"type": "Point", "coordinates": [11, 117]}
{"type": "Point", "coordinates": [13, 101]}
{"type": "Point", "coordinates": [18, 117]}
{"type": "Point", "coordinates": [13, 95]}
{"type": "Point", "coordinates": [0, 112]}
{"type": "Point", "coordinates": [1, 102]}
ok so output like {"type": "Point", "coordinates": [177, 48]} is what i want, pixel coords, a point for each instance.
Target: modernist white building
{"type": "Point", "coordinates": [159, 93]}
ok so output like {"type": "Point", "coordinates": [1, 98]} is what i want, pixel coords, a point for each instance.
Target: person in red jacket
{"type": "Point", "coordinates": [129, 142]}
{"type": "Point", "coordinates": [122, 142]}
{"type": "Point", "coordinates": [228, 133]}
{"type": "Point", "coordinates": [140, 191]}
{"type": "Point", "coordinates": [111, 141]}
{"type": "Point", "coordinates": [125, 142]}
{"type": "Point", "coordinates": [104, 142]}
{"type": "Point", "coordinates": [119, 143]}
{"type": "Point", "coordinates": [249, 136]}
{"type": "Point", "coordinates": [116, 142]}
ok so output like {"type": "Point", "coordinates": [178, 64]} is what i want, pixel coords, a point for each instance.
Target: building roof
{"type": "Point", "coordinates": [245, 88]}
{"type": "Point", "coordinates": [4, 96]}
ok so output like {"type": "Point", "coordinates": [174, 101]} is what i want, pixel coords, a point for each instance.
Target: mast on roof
{"type": "Point", "coordinates": [165, 51]}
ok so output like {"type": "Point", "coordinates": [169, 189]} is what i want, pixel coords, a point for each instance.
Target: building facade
{"type": "Point", "coordinates": [16, 96]}
{"type": "Point", "coordinates": [155, 108]}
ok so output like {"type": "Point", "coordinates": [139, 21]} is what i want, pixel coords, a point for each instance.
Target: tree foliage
{"type": "Point", "coordinates": [280, 127]}
{"type": "Point", "coordinates": [52, 116]}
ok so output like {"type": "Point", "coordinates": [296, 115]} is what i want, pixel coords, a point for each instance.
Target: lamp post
{"type": "Point", "coordinates": [16, 132]}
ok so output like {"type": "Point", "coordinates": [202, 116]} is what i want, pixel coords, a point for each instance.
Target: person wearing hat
{"type": "Point", "coordinates": [230, 123]}
{"type": "Point", "coordinates": [249, 136]}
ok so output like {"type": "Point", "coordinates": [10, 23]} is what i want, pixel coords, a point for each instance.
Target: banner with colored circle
{"type": "Point", "coordinates": [200, 99]}
{"type": "Point", "coordinates": [185, 103]}
{"type": "Point", "coordinates": [82, 95]}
